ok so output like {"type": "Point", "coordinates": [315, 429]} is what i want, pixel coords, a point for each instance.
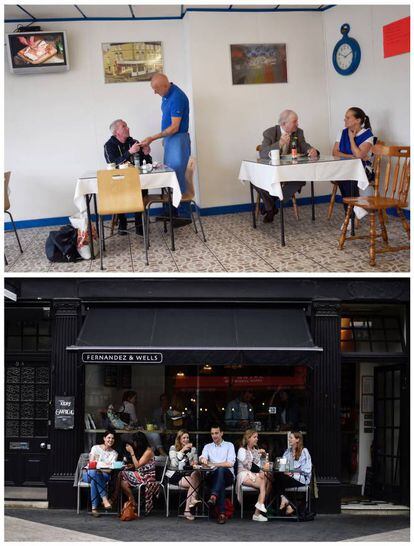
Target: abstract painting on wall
{"type": "Point", "coordinates": [131, 61]}
{"type": "Point", "coordinates": [258, 63]}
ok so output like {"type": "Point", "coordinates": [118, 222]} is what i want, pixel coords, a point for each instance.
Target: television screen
{"type": "Point", "coordinates": [31, 52]}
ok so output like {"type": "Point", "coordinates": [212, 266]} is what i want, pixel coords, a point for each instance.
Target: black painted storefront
{"type": "Point", "coordinates": [71, 300]}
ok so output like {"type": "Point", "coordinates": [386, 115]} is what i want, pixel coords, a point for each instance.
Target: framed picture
{"type": "Point", "coordinates": [367, 403]}
{"type": "Point", "coordinates": [131, 61]}
{"type": "Point", "coordinates": [367, 384]}
{"type": "Point", "coordinates": [258, 63]}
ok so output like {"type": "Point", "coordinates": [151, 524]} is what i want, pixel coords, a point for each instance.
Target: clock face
{"type": "Point", "coordinates": [344, 56]}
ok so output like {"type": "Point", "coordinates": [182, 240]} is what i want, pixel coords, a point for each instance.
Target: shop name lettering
{"type": "Point", "coordinates": [64, 411]}
{"type": "Point", "coordinates": [155, 358]}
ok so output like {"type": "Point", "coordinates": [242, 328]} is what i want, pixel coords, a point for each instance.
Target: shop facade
{"type": "Point", "coordinates": [337, 349]}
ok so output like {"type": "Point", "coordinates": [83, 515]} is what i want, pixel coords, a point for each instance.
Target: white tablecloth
{"type": "Point", "coordinates": [268, 177]}
{"type": "Point", "coordinates": [88, 183]}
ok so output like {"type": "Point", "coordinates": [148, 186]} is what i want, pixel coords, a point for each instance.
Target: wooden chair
{"type": "Point", "coordinates": [7, 207]}
{"type": "Point", "coordinates": [390, 191]}
{"type": "Point", "coordinates": [189, 194]}
{"type": "Point", "coordinates": [257, 210]}
{"type": "Point", "coordinates": [119, 192]}
{"type": "Point", "coordinates": [335, 186]}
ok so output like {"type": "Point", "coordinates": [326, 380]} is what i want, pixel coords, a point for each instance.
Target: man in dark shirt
{"type": "Point", "coordinates": [121, 147]}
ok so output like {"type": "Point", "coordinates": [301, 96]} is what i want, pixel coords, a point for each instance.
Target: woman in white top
{"type": "Point", "coordinates": [105, 455]}
{"type": "Point", "coordinates": [249, 460]}
{"type": "Point", "coordinates": [183, 454]}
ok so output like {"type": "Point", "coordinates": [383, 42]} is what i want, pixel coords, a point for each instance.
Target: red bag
{"type": "Point", "coordinates": [228, 509]}
{"type": "Point", "coordinates": [128, 512]}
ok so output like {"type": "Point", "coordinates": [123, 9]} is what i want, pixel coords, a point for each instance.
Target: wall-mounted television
{"type": "Point", "coordinates": [37, 52]}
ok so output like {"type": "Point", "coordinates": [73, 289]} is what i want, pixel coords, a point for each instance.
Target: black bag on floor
{"type": "Point", "coordinates": [61, 245]}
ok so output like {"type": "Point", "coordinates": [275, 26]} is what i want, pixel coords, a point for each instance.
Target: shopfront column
{"type": "Point", "coordinates": [65, 444]}
{"type": "Point", "coordinates": [324, 438]}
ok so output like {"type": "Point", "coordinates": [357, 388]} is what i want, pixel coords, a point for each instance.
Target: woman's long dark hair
{"type": "Point", "coordinates": [361, 115]}
{"type": "Point", "coordinates": [128, 395]}
{"type": "Point", "coordinates": [140, 444]}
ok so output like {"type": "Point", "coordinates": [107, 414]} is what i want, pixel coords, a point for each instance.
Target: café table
{"type": "Point", "coordinates": [185, 473]}
{"type": "Point", "coordinates": [161, 177]}
{"type": "Point", "coordinates": [114, 476]}
{"type": "Point", "coordinates": [267, 176]}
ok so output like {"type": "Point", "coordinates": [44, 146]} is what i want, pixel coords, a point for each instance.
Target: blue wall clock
{"type": "Point", "coordinates": [346, 55]}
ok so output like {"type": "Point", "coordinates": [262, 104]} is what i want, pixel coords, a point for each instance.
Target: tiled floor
{"type": "Point", "coordinates": [232, 246]}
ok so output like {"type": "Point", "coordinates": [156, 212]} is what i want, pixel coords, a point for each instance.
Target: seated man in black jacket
{"type": "Point", "coordinates": [119, 149]}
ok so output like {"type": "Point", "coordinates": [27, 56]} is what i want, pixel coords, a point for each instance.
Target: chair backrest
{"type": "Point", "coordinates": [394, 163]}
{"type": "Point", "coordinates": [6, 190]}
{"type": "Point", "coordinates": [82, 461]}
{"type": "Point", "coordinates": [189, 178]}
{"type": "Point", "coordinates": [161, 461]}
{"type": "Point", "coordinates": [119, 191]}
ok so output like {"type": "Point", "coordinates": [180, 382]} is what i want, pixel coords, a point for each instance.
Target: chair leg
{"type": "Point", "coordinates": [241, 506]}
{"type": "Point", "coordinates": [197, 211]}
{"type": "Point", "coordinates": [101, 237]}
{"type": "Point", "coordinates": [295, 207]}
{"type": "Point", "coordinates": [404, 222]}
{"type": "Point", "coordinates": [384, 233]}
{"type": "Point", "coordinates": [144, 232]}
{"type": "Point", "coordinates": [190, 204]}
{"type": "Point", "coordinates": [372, 236]}
{"type": "Point", "coordinates": [114, 222]}
{"type": "Point", "coordinates": [345, 226]}
{"type": "Point", "coordinates": [15, 230]}
{"type": "Point", "coordinates": [257, 208]}
{"type": "Point", "coordinates": [78, 501]}
{"type": "Point", "coordinates": [332, 202]}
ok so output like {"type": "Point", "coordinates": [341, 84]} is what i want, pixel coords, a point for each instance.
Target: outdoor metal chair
{"type": "Point", "coordinates": [245, 489]}
{"type": "Point", "coordinates": [78, 481]}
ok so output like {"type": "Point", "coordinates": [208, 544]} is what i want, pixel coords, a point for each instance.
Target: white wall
{"type": "Point", "coordinates": [56, 124]}
{"type": "Point", "coordinates": [379, 86]}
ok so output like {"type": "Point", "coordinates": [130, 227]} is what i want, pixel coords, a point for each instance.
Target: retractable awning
{"type": "Point", "coordinates": [188, 334]}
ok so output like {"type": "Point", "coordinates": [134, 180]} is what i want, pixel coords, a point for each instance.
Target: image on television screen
{"type": "Point", "coordinates": [37, 49]}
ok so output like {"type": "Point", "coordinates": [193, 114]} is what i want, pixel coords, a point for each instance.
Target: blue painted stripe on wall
{"type": "Point", "coordinates": [209, 211]}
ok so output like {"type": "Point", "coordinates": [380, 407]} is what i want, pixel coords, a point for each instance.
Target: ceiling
{"type": "Point", "coordinates": [79, 12]}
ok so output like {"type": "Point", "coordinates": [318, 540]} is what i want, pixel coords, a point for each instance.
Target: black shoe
{"type": "Point", "coordinates": [212, 500]}
{"type": "Point", "coordinates": [268, 217]}
{"type": "Point", "coordinates": [139, 230]}
{"type": "Point", "coordinates": [122, 227]}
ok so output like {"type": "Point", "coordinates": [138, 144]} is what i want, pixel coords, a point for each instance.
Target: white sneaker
{"type": "Point", "coordinates": [360, 212]}
{"type": "Point", "coordinates": [349, 226]}
{"type": "Point", "coordinates": [259, 518]}
{"type": "Point", "coordinates": [260, 507]}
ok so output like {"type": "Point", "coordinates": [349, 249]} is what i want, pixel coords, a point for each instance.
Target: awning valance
{"type": "Point", "coordinates": [188, 334]}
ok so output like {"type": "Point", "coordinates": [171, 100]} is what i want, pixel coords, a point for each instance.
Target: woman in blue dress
{"type": "Point", "coordinates": [355, 140]}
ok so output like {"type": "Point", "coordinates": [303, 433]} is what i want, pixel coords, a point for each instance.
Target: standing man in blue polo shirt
{"type": "Point", "coordinates": [174, 130]}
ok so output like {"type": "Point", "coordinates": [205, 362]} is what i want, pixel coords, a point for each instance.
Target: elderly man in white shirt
{"type": "Point", "coordinates": [222, 456]}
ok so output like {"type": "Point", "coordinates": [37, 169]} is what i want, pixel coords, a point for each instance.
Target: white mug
{"type": "Point", "coordinates": [274, 156]}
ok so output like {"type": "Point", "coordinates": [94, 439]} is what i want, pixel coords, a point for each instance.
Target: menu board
{"type": "Point", "coordinates": [64, 412]}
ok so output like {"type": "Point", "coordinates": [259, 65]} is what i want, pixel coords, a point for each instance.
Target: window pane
{"type": "Point", "coordinates": [29, 329]}
{"type": "Point", "coordinates": [397, 393]}
{"type": "Point", "coordinates": [14, 343]}
{"type": "Point", "coordinates": [13, 328]}
{"type": "Point", "coordinates": [388, 384]}
{"type": "Point", "coordinates": [379, 347]}
{"type": "Point", "coordinates": [30, 343]}
{"type": "Point", "coordinates": [363, 346]}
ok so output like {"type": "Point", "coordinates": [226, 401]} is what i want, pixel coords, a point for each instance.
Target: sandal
{"type": "Point", "coordinates": [194, 503]}
{"type": "Point", "coordinates": [188, 515]}
{"type": "Point", "coordinates": [95, 513]}
{"type": "Point", "coordinates": [290, 511]}
{"type": "Point", "coordinates": [283, 503]}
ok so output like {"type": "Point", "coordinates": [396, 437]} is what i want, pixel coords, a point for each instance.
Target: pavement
{"type": "Point", "coordinates": [24, 524]}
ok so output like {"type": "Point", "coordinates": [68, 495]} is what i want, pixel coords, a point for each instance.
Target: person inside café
{"type": "Point", "coordinates": [160, 414]}
{"type": "Point", "coordinates": [122, 148]}
{"type": "Point", "coordinates": [249, 463]}
{"type": "Point", "coordinates": [140, 470]}
{"type": "Point", "coordinates": [239, 412]}
{"type": "Point", "coordinates": [98, 479]}
{"type": "Point", "coordinates": [175, 108]}
{"type": "Point", "coordinates": [280, 137]}
{"type": "Point", "coordinates": [220, 455]}
{"type": "Point", "coordinates": [287, 410]}
{"type": "Point", "coordinates": [355, 140]}
{"type": "Point", "coordinates": [299, 473]}
{"type": "Point", "coordinates": [183, 455]}
{"type": "Point", "coordinates": [127, 412]}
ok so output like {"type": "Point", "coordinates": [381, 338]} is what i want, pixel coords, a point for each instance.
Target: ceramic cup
{"type": "Point", "coordinates": [274, 157]}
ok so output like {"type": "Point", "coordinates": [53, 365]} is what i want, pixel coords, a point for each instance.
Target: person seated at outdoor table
{"type": "Point", "coordinates": [140, 470]}
{"type": "Point", "coordinates": [127, 411]}
{"type": "Point", "coordinates": [220, 455]}
{"type": "Point", "coordinates": [121, 148]}
{"type": "Point", "coordinates": [249, 462]}
{"type": "Point", "coordinates": [183, 455]}
{"type": "Point", "coordinates": [280, 137]}
{"type": "Point", "coordinates": [355, 140]}
{"type": "Point", "coordinates": [299, 460]}
{"type": "Point", "coordinates": [239, 412]}
{"type": "Point", "coordinates": [98, 479]}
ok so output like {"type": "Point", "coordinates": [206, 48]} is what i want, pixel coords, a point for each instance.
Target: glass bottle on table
{"type": "Point", "coordinates": [294, 149]}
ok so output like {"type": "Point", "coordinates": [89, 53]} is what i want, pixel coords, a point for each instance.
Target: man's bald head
{"type": "Point", "coordinates": [160, 84]}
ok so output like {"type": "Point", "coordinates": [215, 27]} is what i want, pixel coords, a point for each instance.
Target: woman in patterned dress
{"type": "Point", "coordinates": [141, 470]}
